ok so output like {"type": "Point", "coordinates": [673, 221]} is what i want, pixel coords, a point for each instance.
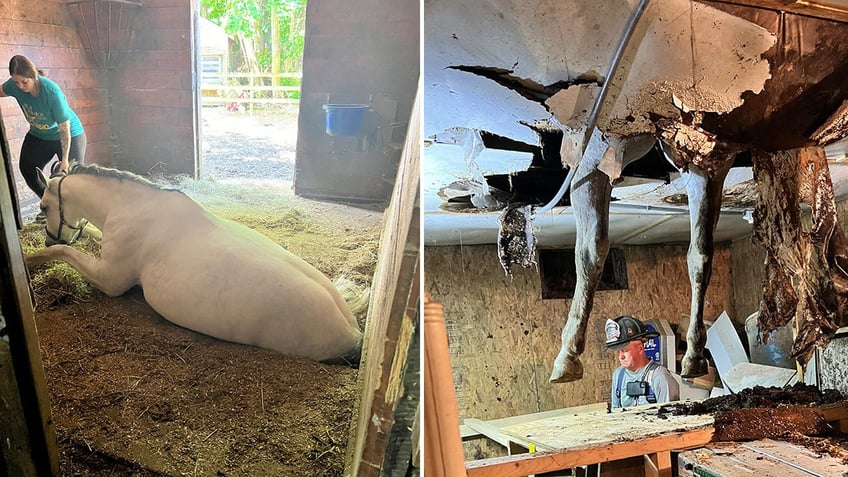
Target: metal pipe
{"type": "Point", "coordinates": [599, 101]}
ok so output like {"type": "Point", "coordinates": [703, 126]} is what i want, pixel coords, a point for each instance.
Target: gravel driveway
{"type": "Point", "coordinates": [248, 146]}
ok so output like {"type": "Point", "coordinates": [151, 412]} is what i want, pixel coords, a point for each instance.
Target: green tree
{"type": "Point", "coordinates": [269, 32]}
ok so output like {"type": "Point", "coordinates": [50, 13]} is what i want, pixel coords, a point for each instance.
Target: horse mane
{"type": "Point", "coordinates": [101, 171]}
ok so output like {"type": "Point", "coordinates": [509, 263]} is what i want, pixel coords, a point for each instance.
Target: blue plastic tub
{"type": "Point", "coordinates": [344, 119]}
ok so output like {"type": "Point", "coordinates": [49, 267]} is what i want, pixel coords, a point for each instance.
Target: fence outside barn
{"type": "Point", "coordinates": [250, 89]}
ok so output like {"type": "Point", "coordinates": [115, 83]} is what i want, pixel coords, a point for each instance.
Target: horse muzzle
{"type": "Point", "coordinates": [57, 239]}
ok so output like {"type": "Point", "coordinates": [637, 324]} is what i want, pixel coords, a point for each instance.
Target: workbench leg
{"type": "Point", "coordinates": [658, 465]}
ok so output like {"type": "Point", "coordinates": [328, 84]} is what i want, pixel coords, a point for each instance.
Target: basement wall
{"type": "Point", "coordinates": [503, 337]}
{"type": "Point", "coordinates": [45, 31]}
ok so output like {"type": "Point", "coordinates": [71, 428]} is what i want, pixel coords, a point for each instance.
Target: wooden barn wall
{"type": "Point", "coordinates": [503, 337]}
{"type": "Point", "coordinates": [356, 53]}
{"type": "Point", "coordinates": [153, 92]}
{"type": "Point", "coordinates": [46, 32]}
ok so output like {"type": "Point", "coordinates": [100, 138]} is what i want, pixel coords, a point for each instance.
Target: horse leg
{"type": "Point", "coordinates": [103, 274]}
{"type": "Point", "coordinates": [590, 199]}
{"type": "Point", "coordinates": [704, 192]}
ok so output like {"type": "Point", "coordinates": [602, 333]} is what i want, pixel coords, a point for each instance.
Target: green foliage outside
{"type": "Point", "coordinates": [270, 32]}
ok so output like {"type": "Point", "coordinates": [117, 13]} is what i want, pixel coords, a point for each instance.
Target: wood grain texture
{"type": "Point", "coordinates": [503, 336]}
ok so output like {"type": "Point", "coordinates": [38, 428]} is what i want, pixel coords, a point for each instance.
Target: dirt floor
{"type": "Point", "coordinates": [133, 394]}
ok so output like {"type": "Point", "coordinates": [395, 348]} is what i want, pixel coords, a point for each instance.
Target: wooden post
{"type": "Point", "coordinates": [392, 314]}
{"type": "Point", "coordinates": [443, 455]}
{"type": "Point", "coordinates": [34, 437]}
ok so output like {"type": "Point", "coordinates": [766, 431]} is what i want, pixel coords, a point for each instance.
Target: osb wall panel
{"type": "Point", "coordinates": [47, 34]}
{"type": "Point", "coordinates": [747, 261]}
{"type": "Point", "coordinates": [355, 53]}
{"type": "Point", "coordinates": [152, 93]}
{"type": "Point", "coordinates": [504, 337]}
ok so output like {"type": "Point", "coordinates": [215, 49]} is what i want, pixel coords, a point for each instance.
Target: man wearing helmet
{"type": "Point", "coordinates": [638, 380]}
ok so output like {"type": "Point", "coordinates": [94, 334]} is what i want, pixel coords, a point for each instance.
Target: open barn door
{"type": "Point", "coordinates": [29, 444]}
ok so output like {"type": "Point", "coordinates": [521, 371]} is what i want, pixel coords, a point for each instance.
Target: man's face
{"type": "Point", "coordinates": [630, 355]}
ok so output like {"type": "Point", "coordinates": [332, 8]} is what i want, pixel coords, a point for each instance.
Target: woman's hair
{"type": "Point", "coordinates": [22, 66]}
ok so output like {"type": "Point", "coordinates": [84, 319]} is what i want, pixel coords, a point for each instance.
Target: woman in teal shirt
{"type": "Point", "coordinates": [55, 130]}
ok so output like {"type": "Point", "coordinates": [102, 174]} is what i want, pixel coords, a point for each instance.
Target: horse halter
{"type": "Point", "coordinates": [63, 223]}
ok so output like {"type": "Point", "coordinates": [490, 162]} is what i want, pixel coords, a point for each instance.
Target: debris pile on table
{"type": "Point", "coordinates": [787, 413]}
{"type": "Point", "coordinates": [799, 394]}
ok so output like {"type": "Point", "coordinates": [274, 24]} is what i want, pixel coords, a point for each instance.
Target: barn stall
{"type": "Point", "coordinates": [149, 398]}
{"type": "Point", "coordinates": [509, 93]}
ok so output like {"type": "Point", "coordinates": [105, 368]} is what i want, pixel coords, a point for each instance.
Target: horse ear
{"type": "Point", "coordinates": [42, 179]}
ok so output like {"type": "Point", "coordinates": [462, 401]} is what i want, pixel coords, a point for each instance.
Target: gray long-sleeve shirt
{"type": "Point", "coordinates": [662, 382]}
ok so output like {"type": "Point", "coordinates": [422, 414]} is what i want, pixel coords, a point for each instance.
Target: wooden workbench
{"type": "Point", "coordinates": [763, 458]}
{"type": "Point", "coordinates": [586, 435]}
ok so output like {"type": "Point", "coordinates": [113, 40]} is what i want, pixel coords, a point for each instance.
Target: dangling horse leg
{"type": "Point", "coordinates": [590, 198]}
{"type": "Point", "coordinates": [591, 191]}
{"type": "Point", "coordinates": [705, 192]}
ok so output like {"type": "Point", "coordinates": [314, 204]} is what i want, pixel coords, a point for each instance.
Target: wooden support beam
{"type": "Point", "coordinates": [526, 464]}
{"type": "Point", "coordinates": [658, 465]}
{"type": "Point", "coordinates": [836, 10]}
{"type": "Point", "coordinates": [38, 442]}
{"type": "Point", "coordinates": [392, 315]}
{"type": "Point", "coordinates": [489, 430]}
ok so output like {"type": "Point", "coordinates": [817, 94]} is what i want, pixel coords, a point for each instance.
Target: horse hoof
{"type": "Point", "coordinates": [693, 366]}
{"type": "Point", "coordinates": [566, 370]}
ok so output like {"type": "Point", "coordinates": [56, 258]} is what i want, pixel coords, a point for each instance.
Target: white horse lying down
{"type": "Point", "coordinates": [197, 270]}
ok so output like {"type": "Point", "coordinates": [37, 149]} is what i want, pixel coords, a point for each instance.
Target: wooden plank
{"type": "Point", "coordinates": [489, 430]}
{"type": "Point", "coordinates": [763, 458]}
{"type": "Point", "coordinates": [790, 453]}
{"type": "Point", "coordinates": [598, 427]}
{"type": "Point", "coordinates": [569, 411]}
{"type": "Point", "coordinates": [822, 9]}
{"type": "Point", "coordinates": [658, 464]}
{"type": "Point", "coordinates": [834, 412]}
{"type": "Point", "coordinates": [393, 307]}
{"type": "Point", "coordinates": [525, 464]}
{"type": "Point", "coordinates": [467, 433]}
{"type": "Point", "coordinates": [23, 337]}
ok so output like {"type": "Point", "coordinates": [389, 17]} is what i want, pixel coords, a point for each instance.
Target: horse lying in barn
{"type": "Point", "coordinates": [197, 270]}
{"type": "Point", "coordinates": [809, 283]}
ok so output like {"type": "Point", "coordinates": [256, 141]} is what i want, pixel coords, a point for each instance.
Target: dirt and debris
{"type": "Point", "coordinates": [760, 423]}
{"type": "Point", "coordinates": [516, 238]}
{"type": "Point", "coordinates": [781, 413]}
{"type": "Point", "coordinates": [834, 445]}
{"type": "Point", "coordinates": [133, 394]}
{"type": "Point", "coordinates": [805, 276]}
{"type": "Point", "coordinates": [758, 396]}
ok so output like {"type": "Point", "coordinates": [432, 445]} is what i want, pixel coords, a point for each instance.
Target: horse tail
{"type": "Point", "coordinates": [356, 296]}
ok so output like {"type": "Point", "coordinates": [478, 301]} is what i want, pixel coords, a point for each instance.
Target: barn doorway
{"type": "Point", "coordinates": [249, 66]}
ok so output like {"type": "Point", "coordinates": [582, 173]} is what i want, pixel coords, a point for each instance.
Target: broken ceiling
{"type": "Point", "coordinates": [499, 74]}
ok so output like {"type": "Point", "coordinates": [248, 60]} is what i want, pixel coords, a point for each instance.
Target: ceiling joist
{"type": "Point", "coordinates": [836, 10]}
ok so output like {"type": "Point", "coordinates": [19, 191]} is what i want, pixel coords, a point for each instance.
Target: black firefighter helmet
{"type": "Point", "coordinates": [625, 329]}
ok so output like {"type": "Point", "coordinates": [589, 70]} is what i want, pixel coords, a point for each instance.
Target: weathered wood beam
{"type": "Point", "coordinates": [32, 450]}
{"type": "Point", "coordinates": [391, 316]}
{"type": "Point", "coordinates": [828, 9]}
{"type": "Point", "coordinates": [525, 464]}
